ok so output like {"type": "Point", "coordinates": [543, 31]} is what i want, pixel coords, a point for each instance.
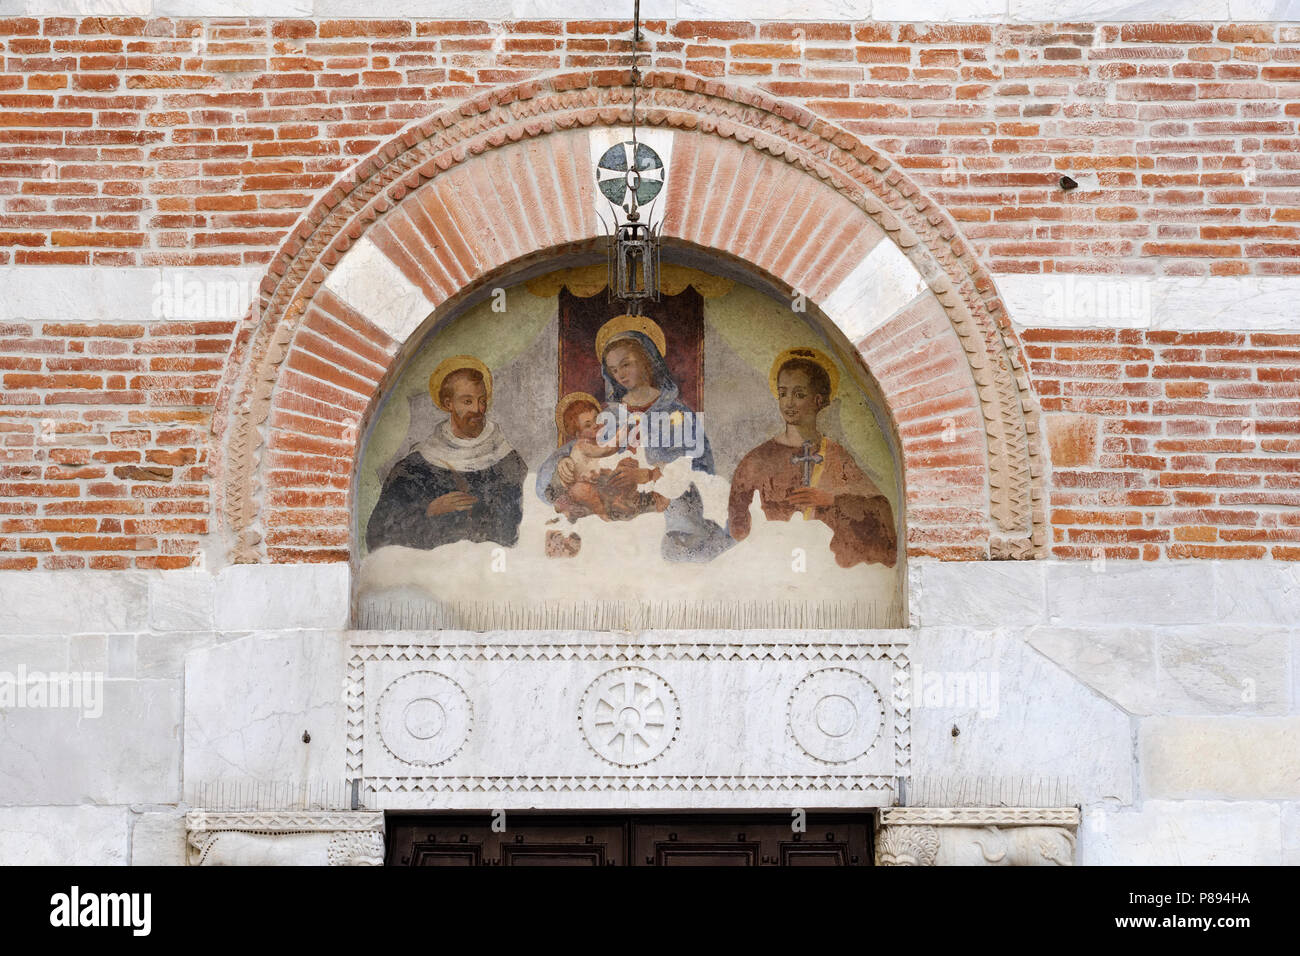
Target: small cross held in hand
{"type": "Point", "coordinates": [807, 459]}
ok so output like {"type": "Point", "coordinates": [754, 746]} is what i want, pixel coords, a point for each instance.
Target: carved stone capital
{"type": "Point", "coordinates": [976, 836]}
{"type": "Point", "coordinates": [907, 846]}
{"type": "Point", "coordinates": [285, 838]}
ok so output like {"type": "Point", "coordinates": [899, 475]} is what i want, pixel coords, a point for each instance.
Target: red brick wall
{"type": "Point", "coordinates": [132, 142]}
{"type": "Point", "coordinates": [104, 432]}
{"type": "Point", "coordinates": [1175, 444]}
{"type": "Point", "coordinates": [187, 141]}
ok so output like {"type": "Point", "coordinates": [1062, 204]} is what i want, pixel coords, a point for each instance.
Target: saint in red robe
{"type": "Point", "coordinates": [861, 521]}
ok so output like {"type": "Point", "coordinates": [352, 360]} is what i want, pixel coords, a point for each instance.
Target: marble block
{"type": "Point", "coordinates": [1236, 758]}
{"type": "Point", "coordinates": [271, 597]}
{"type": "Point", "coordinates": [182, 601]}
{"type": "Point", "coordinates": [1016, 713]}
{"type": "Point", "coordinates": [1215, 669]}
{"type": "Point", "coordinates": [1182, 833]}
{"type": "Point", "coordinates": [249, 701]}
{"type": "Point", "coordinates": [977, 593]}
{"type": "Point", "coordinates": [1130, 592]}
{"type": "Point", "coordinates": [72, 602]}
{"type": "Point", "coordinates": [158, 838]}
{"type": "Point", "coordinates": [452, 721]}
{"type": "Point", "coordinates": [1118, 663]}
{"type": "Point", "coordinates": [121, 747]}
{"type": "Point", "coordinates": [64, 836]}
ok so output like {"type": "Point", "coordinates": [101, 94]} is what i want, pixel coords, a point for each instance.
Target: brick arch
{"type": "Point", "coordinates": [507, 177]}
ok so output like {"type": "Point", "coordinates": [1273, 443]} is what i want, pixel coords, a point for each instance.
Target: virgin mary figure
{"type": "Point", "coordinates": [659, 438]}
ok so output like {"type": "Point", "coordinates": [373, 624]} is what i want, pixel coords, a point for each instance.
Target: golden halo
{"type": "Point", "coordinates": [620, 325]}
{"type": "Point", "coordinates": [810, 355]}
{"type": "Point", "coordinates": [563, 404]}
{"type": "Point", "coordinates": [455, 364]}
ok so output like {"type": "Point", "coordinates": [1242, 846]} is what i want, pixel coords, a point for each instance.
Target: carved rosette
{"type": "Point", "coordinates": [629, 716]}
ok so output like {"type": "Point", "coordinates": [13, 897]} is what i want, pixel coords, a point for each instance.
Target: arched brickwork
{"type": "Point", "coordinates": [508, 176]}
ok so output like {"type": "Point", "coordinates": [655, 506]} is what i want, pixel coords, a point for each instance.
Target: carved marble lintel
{"type": "Point", "coordinates": [551, 756]}
{"type": "Point", "coordinates": [285, 838]}
{"type": "Point", "coordinates": [977, 836]}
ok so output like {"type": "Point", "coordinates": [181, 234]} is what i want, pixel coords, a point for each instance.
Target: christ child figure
{"type": "Point", "coordinates": [594, 487]}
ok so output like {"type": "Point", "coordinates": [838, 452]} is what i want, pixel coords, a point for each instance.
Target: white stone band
{"type": "Point", "coordinates": [201, 293]}
{"type": "Point", "coordinates": [127, 294]}
{"type": "Point", "coordinates": [1176, 303]}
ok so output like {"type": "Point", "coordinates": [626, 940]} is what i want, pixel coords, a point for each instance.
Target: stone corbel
{"type": "Point", "coordinates": [285, 838]}
{"type": "Point", "coordinates": [976, 836]}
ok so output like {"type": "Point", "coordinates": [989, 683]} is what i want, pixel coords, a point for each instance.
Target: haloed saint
{"type": "Point", "coordinates": [802, 470]}
{"type": "Point", "coordinates": [464, 482]}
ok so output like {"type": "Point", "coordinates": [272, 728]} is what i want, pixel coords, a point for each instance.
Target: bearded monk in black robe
{"type": "Point", "coordinates": [465, 483]}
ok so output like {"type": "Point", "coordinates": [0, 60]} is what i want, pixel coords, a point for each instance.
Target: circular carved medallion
{"type": "Point", "coordinates": [424, 718]}
{"type": "Point", "coordinates": [836, 715]}
{"type": "Point", "coordinates": [629, 716]}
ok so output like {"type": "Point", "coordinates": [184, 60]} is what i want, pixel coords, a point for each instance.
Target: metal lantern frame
{"type": "Point", "coordinates": [634, 264]}
{"type": "Point", "coordinates": [633, 251]}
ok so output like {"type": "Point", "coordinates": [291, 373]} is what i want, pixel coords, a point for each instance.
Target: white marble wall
{"type": "Point", "coordinates": [1164, 696]}
{"type": "Point", "coordinates": [1166, 693]}
{"type": "Point", "coordinates": [84, 787]}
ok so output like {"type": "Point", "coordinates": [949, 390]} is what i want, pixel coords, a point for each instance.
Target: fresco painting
{"type": "Point", "coordinates": [554, 462]}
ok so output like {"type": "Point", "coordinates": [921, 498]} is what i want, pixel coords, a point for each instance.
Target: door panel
{"type": "Point", "coordinates": [642, 840]}
{"type": "Point", "coordinates": [527, 841]}
{"type": "Point", "coordinates": [751, 841]}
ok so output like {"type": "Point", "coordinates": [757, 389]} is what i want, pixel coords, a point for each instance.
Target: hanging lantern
{"type": "Point", "coordinates": [630, 175]}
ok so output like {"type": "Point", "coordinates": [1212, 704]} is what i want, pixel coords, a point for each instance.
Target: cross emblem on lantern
{"type": "Point", "coordinates": [630, 175]}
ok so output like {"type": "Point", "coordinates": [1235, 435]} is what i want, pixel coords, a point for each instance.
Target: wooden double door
{"type": "Point", "coordinates": [527, 839]}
